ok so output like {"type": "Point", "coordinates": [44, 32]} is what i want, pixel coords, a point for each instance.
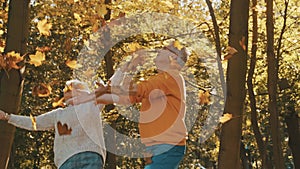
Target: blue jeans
{"type": "Point", "coordinates": [84, 160]}
{"type": "Point", "coordinates": [165, 156]}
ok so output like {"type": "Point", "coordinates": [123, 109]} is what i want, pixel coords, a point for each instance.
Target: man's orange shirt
{"type": "Point", "coordinates": [163, 109]}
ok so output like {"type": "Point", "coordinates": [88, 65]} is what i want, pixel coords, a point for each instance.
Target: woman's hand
{"type": "Point", "coordinates": [3, 115]}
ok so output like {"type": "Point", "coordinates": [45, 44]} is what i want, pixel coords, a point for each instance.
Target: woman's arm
{"type": "Point", "coordinates": [41, 122]}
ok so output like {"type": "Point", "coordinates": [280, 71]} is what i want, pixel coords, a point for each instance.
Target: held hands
{"type": "Point", "coordinates": [77, 96]}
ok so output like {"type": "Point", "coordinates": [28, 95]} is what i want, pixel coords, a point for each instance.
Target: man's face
{"type": "Point", "coordinates": [162, 60]}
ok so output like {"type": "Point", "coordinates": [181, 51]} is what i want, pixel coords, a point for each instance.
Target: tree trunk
{"type": "Point", "coordinates": [11, 84]}
{"type": "Point", "coordinates": [217, 43]}
{"type": "Point", "coordinates": [111, 134]}
{"type": "Point", "coordinates": [229, 153]}
{"type": "Point", "coordinates": [258, 137]}
{"type": "Point", "coordinates": [272, 89]}
{"type": "Point", "coordinates": [292, 122]}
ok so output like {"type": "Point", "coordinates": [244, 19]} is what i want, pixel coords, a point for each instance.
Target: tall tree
{"type": "Point", "coordinates": [11, 82]}
{"type": "Point", "coordinates": [272, 88]}
{"type": "Point", "coordinates": [229, 153]}
{"type": "Point", "coordinates": [254, 122]}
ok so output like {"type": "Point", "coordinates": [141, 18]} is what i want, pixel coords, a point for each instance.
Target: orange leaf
{"type": "Point", "coordinates": [43, 49]}
{"type": "Point", "coordinates": [90, 72]}
{"type": "Point", "coordinates": [242, 42]}
{"type": "Point", "coordinates": [60, 103]}
{"type": "Point", "coordinates": [226, 117]}
{"type": "Point", "coordinates": [204, 97]}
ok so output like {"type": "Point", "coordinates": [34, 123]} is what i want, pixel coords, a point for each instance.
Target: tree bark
{"type": "Point", "coordinates": [229, 153]}
{"type": "Point", "coordinates": [217, 43]}
{"type": "Point", "coordinates": [111, 134]}
{"type": "Point", "coordinates": [272, 89]}
{"type": "Point", "coordinates": [257, 134]}
{"type": "Point", "coordinates": [293, 127]}
{"type": "Point", "coordinates": [11, 83]}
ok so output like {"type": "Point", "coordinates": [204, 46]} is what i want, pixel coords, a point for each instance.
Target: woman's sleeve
{"type": "Point", "coordinates": [43, 122]}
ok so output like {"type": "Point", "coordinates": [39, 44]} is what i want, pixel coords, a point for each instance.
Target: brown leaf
{"type": "Point", "coordinates": [242, 43]}
{"type": "Point", "coordinates": [43, 49]}
{"type": "Point", "coordinates": [41, 90]}
{"type": "Point", "coordinates": [203, 97]}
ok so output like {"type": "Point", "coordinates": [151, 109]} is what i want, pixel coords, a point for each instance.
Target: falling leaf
{"type": "Point", "coordinates": [44, 27]}
{"type": "Point", "coordinates": [67, 44]}
{"type": "Point", "coordinates": [242, 43]}
{"type": "Point", "coordinates": [10, 60]}
{"type": "Point", "coordinates": [60, 103]}
{"type": "Point", "coordinates": [101, 10]}
{"type": "Point", "coordinates": [41, 90]}
{"type": "Point", "coordinates": [230, 52]}
{"type": "Point", "coordinates": [77, 17]}
{"type": "Point", "coordinates": [89, 73]}
{"type": "Point", "coordinates": [226, 117]}
{"type": "Point", "coordinates": [132, 47]}
{"type": "Point", "coordinates": [73, 64]}
{"type": "Point", "coordinates": [33, 122]}
{"type": "Point", "coordinates": [227, 56]}
{"type": "Point", "coordinates": [203, 97]}
{"type": "Point", "coordinates": [177, 45]}
{"type": "Point", "coordinates": [37, 58]}
{"type": "Point", "coordinates": [43, 49]}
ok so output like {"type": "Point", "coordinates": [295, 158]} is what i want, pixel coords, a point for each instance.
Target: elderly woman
{"type": "Point", "coordinates": [78, 141]}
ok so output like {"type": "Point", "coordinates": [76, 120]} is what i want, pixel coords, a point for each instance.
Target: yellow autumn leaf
{"type": "Point", "coordinates": [90, 72]}
{"type": "Point", "coordinates": [73, 64]}
{"type": "Point", "coordinates": [132, 47]}
{"type": "Point", "coordinates": [77, 17]}
{"type": "Point", "coordinates": [101, 10]}
{"type": "Point", "coordinates": [60, 103]}
{"type": "Point", "coordinates": [225, 117]}
{"type": "Point", "coordinates": [37, 58]}
{"type": "Point", "coordinates": [177, 45]}
{"type": "Point", "coordinates": [33, 122]}
{"type": "Point", "coordinates": [44, 27]}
